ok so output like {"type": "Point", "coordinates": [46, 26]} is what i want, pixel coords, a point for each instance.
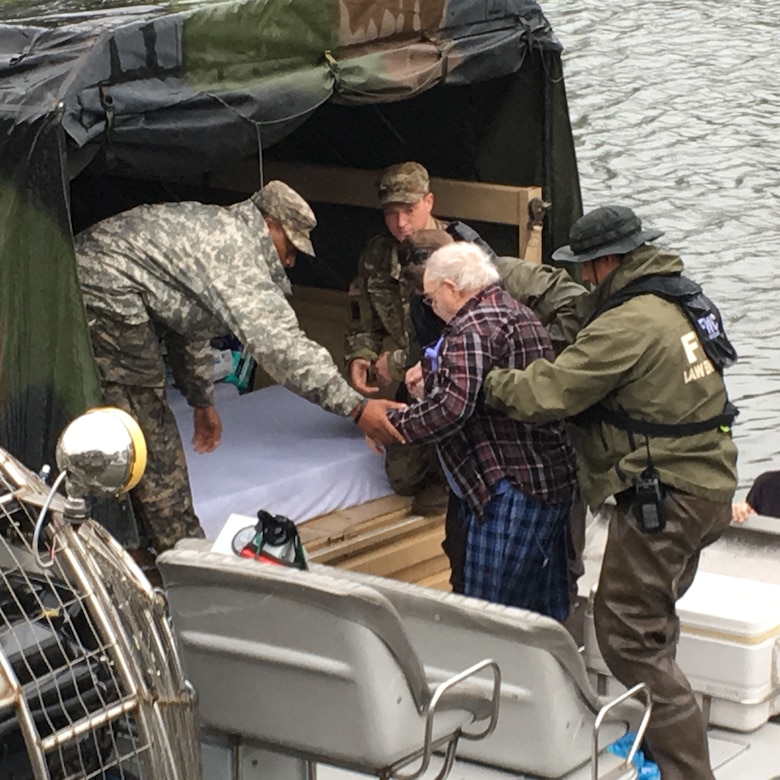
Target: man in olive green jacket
{"type": "Point", "coordinates": [551, 294]}
{"type": "Point", "coordinates": [642, 361]}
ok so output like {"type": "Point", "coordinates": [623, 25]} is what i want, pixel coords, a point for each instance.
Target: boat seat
{"type": "Point", "coordinates": [316, 667]}
{"type": "Point", "coordinates": [548, 706]}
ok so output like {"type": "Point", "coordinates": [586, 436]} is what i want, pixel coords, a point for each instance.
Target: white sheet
{"type": "Point", "coordinates": [279, 453]}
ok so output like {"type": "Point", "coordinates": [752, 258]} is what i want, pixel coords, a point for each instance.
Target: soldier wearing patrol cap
{"type": "Point", "coordinates": [379, 312]}
{"type": "Point", "coordinates": [181, 273]}
{"type": "Point", "coordinates": [289, 218]}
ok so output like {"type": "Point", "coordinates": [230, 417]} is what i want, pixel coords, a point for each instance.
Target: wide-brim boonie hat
{"type": "Point", "coordinates": [607, 230]}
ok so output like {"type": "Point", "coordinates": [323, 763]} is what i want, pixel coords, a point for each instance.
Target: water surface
{"type": "Point", "coordinates": [675, 113]}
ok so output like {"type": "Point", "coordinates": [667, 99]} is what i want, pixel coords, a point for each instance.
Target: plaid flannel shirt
{"type": "Point", "coordinates": [478, 445]}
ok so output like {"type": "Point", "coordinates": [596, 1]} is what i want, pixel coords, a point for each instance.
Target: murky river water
{"type": "Point", "coordinates": [676, 112]}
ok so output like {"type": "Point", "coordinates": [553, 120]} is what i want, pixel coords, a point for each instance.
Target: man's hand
{"type": "Point", "coordinates": [208, 429]}
{"type": "Point", "coordinates": [414, 381]}
{"type": "Point", "coordinates": [382, 368]}
{"type": "Point", "coordinates": [374, 423]}
{"type": "Point", "coordinates": [360, 376]}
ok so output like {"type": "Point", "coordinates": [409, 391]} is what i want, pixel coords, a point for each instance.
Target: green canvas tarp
{"type": "Point", "coordinates": [170, 92]}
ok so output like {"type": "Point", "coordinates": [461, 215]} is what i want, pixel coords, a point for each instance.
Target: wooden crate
{"type": "Point", "coordinates": [381, 537]}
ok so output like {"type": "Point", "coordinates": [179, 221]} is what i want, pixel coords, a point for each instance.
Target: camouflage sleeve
{"type": "Point", "coordinates": [192, 363]}
{"type": "Point", "coordinates": [365, 333]}
{"type": "Point", "coordinates": [397, 363]}
{"type": "Point", "coordinates": [550, 293]}
{"type": "Point", "coordinates": [256, 310]}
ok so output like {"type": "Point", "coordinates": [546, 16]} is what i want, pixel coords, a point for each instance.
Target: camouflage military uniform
{"type": "Point", "coordinates": [132, 375]}
{"type": "Point", "coordinates": [186, 272]}
{"type": "Point", "coordinates": [378, 314]}
{"type": "Point", "coordinates": [379, 306]}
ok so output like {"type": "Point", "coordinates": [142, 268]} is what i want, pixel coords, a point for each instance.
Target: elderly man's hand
{"type": "Point", "coordinates": [208, 429]}
{"type": "Point", "coordinates": [382, 368]}
{"type": "Point", "coordinates": [374, 423]}
{"type": "Point", "coordinates": [360, 376]}
{"type": "Point", "coordinates": [415, 383]}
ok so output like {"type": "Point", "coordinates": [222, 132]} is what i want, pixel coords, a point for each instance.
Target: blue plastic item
{"type": "Point", "coordinates": [646, 769]}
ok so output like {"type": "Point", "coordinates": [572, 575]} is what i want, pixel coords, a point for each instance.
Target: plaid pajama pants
{"type": "Point", "coordinates": [517, 554]}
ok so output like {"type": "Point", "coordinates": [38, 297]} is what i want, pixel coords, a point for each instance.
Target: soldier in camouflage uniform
{"type": "Point", "coordinates": [180, 273]}
{"type": "Point", "coordinates": [379, 313]}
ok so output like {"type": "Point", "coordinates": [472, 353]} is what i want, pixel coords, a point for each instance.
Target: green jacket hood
{"type": "Point", "coordinates": [646, 259]}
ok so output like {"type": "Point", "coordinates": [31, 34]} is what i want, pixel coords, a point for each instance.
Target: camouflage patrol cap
{"type": "Point", "coordinates": [284, 204]}
{"type": "Point", "coordinates": [405, 182]}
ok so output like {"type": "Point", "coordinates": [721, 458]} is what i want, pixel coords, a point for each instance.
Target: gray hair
{"type": "Point", "coordinates": [464, 264]}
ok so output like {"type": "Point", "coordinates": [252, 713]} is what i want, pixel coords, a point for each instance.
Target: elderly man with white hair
{"type": "Point", "coordinates": [517, 480]}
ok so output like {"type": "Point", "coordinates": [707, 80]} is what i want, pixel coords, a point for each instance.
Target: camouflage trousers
{"type": "Point", "coordinates": [132, 376]}
{"type": "Point", "coordinates": [410, 467]}
{"type": "Point", "coordinates": [637, 627]}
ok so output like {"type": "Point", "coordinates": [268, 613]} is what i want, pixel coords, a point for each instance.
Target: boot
{"type": "Point", "coordinates": [680, 748]}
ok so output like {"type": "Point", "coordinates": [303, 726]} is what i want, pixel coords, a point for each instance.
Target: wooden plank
{"type": "Point", "coordinates": [389, 559]}
{"type": "Point", "coordinates": [503, 204]}
{"type": "Point", "coordinates": [526, 235]}
{"type": "Point", "coordinates": [342, 519]}
{"type": "Point", "coordinates": [467, 200]}
{"type": "Point", "coordinates": [322, 539]}
{"type": "Point", "coordinates": [424, 569]}
{"type": "Point", "coordinates": [312, 538]}
{"type": "Point", "coordinates": [481, 201]}
{"type": "Point", "coordinates": [334, 553]}
{"type": "Point", "coordinates": [355, 531]}
{"type": "Point", "coordinates": [533, 245]}
{"type": "Point", "coordinates": [439, 581]}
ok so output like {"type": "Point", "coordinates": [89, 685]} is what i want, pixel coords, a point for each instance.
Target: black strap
{"type": "Point", "coordinates": [619, 418]}
{"type": "Point", "coordinates": [460, 231]}
{"type": "Point", "coordinates": [701, 312]}
{"type": "Point", "coordinates": [706, 320]}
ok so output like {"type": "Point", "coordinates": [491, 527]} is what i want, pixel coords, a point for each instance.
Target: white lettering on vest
{"type": "Point", "coordinates": [699, 371]}
{"type": "Point", "coordinates": [690, 345]}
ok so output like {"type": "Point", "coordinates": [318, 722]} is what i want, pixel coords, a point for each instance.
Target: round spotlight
{"type": "Point", "coordinates": [103, 451]}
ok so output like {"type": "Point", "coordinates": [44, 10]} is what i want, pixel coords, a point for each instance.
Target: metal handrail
{"type": "Point", "coordinates": [631, 693]}
{"type": "Point", "coordinates": [452, 743]}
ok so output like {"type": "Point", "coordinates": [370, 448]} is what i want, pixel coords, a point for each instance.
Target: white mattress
{"type": "Point", "coordinates": [279, 453]}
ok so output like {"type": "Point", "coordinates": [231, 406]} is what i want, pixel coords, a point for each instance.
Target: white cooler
{"type": "Point", "coordinates": [729, 649]}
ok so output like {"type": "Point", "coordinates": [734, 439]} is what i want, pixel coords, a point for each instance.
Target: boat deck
{"type": "Point", "coordinates": [754, 756]}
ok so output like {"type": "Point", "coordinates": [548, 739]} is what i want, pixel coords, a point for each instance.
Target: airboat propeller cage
{"type": "Point", "coordinates": [103, 451]}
